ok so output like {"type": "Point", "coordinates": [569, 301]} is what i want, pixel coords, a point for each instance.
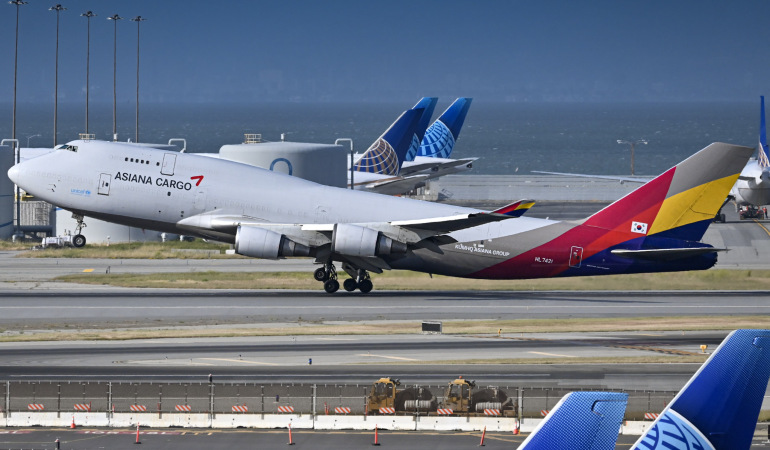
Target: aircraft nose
{"type": "Point", "coordinates": [13, 174]}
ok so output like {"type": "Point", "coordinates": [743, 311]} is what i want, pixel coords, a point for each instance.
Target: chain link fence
{"type": "Point", "coordinates": [257, 398]}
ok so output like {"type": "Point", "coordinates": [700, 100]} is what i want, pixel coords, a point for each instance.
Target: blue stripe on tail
{"type": "Point", "coordinates": [719, 406]}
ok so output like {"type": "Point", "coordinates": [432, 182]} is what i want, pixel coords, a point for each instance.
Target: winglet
{"type": "Point", "coordinates": [440, 138]}
{"type": "Point", "coordinates": [387, 153]}
{"type": "Point", "coordinates": [580, 421]}
{"type": "Point", "coordinates": [515, 209]}
{"type": "Point", "coordinates": [718, 408]}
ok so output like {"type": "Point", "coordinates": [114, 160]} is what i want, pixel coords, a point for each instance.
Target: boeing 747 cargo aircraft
{"type": "Point", "coordinates": [656, 228]}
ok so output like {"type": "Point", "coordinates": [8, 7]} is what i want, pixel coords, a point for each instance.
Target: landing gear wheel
{"type": "Point", "coordinates": [79, 240]}
{"type": "Point", "coordinates": [321, 274]}
{"type": "Point", "coordinates": [350, 285]}
{"type": "Point", "coordinates": [331, 286]}
{"type": "Point", "coordinates": [365, 286]}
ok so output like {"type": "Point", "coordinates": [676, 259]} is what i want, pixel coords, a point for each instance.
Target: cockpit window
{"type": "Point", "coordinates": [71, 148]}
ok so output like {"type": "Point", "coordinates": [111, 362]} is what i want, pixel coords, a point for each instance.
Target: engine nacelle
{"type": "Point", "coordinates": [261, 243]}
{"type": "Point", "coordinates": [355, 240]}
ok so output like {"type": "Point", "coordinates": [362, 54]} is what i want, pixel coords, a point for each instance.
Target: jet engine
{"type": "Point", "coordinates": [261, 243]}
{"type": "Point", "coordinates": [355, 240]}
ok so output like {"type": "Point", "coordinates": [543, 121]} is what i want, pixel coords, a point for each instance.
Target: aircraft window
{"type": "Point", "coordinates": [132, 159]}
{"type": "Point", "coordinates": [157, 163]}
{"type": "Point", "coordinates": [126, 159]}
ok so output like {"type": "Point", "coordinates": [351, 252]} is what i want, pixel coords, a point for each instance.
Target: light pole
{"type": "Point", "coordinates": [88, 15]}
{"type": "Point", "coordinates": [30, 137]}
{"type": "Point", "coordinates": [15, 65]}
{"type": "Point", "coordinates": [58, 9]}
{"type": "Point", "coordinates": [13, 129]}
{"type": "Point", "coordinates": [632, 144]}
{"type": "Point", "coordinates": [115, 19]}
{"type": "Point", "coordinates": [138, 20]}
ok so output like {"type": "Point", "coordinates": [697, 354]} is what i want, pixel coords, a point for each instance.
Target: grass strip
{"type": "Point", "coordinates": [715, 279]}
{"type": "Point", "coordinates": [510, 329]}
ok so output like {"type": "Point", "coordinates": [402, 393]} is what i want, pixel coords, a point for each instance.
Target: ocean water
{"type": "Point", "coordinates": [508, 138]}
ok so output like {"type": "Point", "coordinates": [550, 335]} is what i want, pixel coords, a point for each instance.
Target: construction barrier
{"type": "Point", "coordinates": [241, 408]}
{"type": "Point", "coordinates": [286, 409]}
{"type": "Point", "coordinates": [491, 412]}
{"type": "Point", "coordinates": [84, 407]}
{"type": "Point", "coordinates": [544, 412]}
{"type": "Point", "coordinates": [138, 408]}
{"type": "Point", "coordinates": [183, 408]}
{"type": "Point", "coordinates": [650, 416]}
{"type": "Point", "coordinates": [36, 407]}
{"type": "Point", "coordinates": [387, 410]}
{"type": "Point", "coordinates": [342, 410]}
{"type": "Point", "coordinates": [444, 412]}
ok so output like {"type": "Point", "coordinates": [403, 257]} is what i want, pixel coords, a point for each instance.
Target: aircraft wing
{"type": "Point", "coordinates": [396, 185]}
{"type": "Point", "coordinates": [314, 235]}
{"type": "Point", "coordinates": [599, 177]}
{"type": "Point", "coordinates": [441, 164]}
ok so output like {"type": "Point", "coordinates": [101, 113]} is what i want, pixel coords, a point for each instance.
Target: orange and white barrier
{"type": "Point", "coordinates": [544, 412]}
{"type": "Point", "coordinates": [183, 408]}
{"type": "Point", "coordinates": [138, 408]}
{"type": "Point", "coordinates": [445, 412]}
{"type": "Point", "coordinates": [36, 407]}
{"type": "Point", "coordinates": [342, 410]}
{"type": "Point", "coordinates": [387, 410]}
{"type": "Point", "coordinates": [85, 407]}
{"type": "Point", "coordinates": [241, 408]}
{"type": "Point", "coordinates": [286, 409]}
{"type": "Point", "coordinates": [650, 416]}
{"type": "Point", "coordinates": [491, 412]}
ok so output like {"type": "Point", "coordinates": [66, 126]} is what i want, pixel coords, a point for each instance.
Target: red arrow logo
{"type": "Point", "coordinates": [199, 178]}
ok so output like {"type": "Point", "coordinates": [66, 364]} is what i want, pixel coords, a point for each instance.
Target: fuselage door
{"type": "Point", "coordinates": [169, 161]}
{"type": "Point", "coordinates": [104, 184]}
{"type": "Point", "coordinates": [575, 256]}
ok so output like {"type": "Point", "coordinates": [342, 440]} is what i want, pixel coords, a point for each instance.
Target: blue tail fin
{"type": "Point", "coordinates": [718, 408]}
{"type": "Point", "coordinates": [580, 421]}
{"type": "Point", "coordinates": [387, 153]}
{"type": "Point", "coordinates": [441, 136]}
{"type": "Point", "coordinates": [429, 104]}
{"type": "Point", "coordinates": [763, 154]}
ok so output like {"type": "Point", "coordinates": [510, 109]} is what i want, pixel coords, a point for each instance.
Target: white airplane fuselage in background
{"type": "Point", "coordinates": [753, 185]}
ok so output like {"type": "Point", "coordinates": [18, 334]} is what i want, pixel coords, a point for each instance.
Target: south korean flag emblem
{"type": "Point", "coordinates": [639, 227]}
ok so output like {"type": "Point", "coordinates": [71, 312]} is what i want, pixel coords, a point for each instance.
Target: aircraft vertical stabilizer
{"type": "Point", "coordinates": [387, 153]}
{"type": "Point", "coordinates": [429, 104]}
{"type": "Point", "coordinates": [718, 408]}
{"type": "Point", "coordinates": [440, 138]}
{"type": "Point", "coordinates": [764, 152]}
{"type": "Point", "coordinates": [580, 421]}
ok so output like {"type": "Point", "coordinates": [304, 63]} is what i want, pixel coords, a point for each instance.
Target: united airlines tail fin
{"type": "Point", "coordinates": [580, 421]}
{"type": "Point", "coordinates": [718, 408]}
{"type": "Point", "coordinates": [677, 205]}
{"type": "Point", "coordinates": [428, 104]}
{"type": "Point", "coordinates": [387, 153]}
{"type": "Point", "coordinates": [440, 138]}
{"type": "Point", "coordinates": [763, 152]}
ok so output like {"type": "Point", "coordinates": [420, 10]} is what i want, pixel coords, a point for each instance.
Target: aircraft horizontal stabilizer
{"type": "Point", "coordinates": [396, 185]}
{"type": "Point", "coordinates": [515, 209]}
{"type": "Point", "coordinates": [666, 254]}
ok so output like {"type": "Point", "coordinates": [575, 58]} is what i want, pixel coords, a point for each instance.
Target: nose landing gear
{"type": "Point", "coordinates": [78, 240]}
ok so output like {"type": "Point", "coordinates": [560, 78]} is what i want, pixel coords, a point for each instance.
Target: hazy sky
{"type": "Point", "coordinates": [352, 50]}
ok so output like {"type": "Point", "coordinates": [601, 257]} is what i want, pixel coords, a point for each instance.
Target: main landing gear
{"type": "Point", "coordinates": [328, 275]}
{"type": "Point", "coordinates": [78, 240]}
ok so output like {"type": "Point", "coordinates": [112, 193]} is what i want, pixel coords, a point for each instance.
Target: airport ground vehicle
{"type": "Point", "coordinates": [460, 396]}
{"type": "Point", "coordinates": [751, 212]}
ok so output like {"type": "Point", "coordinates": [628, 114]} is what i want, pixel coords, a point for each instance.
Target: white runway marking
{"type": "Point", "coordinates": [552, 354]}
{"type": "Point", "coordinates": [389, 357]}
{"type": "Point", "coordinates": [242, 361]}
